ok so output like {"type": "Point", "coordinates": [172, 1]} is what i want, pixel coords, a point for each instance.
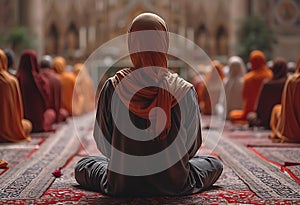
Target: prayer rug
{"type": "Point", "coordinates": [264, 179]}
{"type": "Point", "coordinates": [32, 176]}
{"type": "Point", "coordinates": [256, 138]}
{"type": "Point", "coordinates": [229, 189]}
{"type": "Point", "coordinates": [14, 153]}
{"type": "Point", "coordinates": [287, 159]}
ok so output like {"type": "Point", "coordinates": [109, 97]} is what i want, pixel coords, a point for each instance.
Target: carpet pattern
{"type": "Point", "coordinates": [31, 177]}
{"type": "Point", "coordinates": [256, 138]}
{"type": "Point", "coordinates": [280, 156]}
{"type": "Point", "coordinates": [228, 189]}
{"type": "Point", "coordinates": [31, 181]}
{"type": "Point", "coordinates": [15, 153]}
{"type": "Point", "coordinates": [264, 179]}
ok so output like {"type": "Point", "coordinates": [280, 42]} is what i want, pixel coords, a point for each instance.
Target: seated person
{"type": "Point", "coordinates": [10, 62]}
{"type": "Point", "coordinates": [157, 156]}
{"type": "Point", "coordinates": [211, 89]}
{"type": "Point", "coordinates": [253, 81]}
{"type": "Point", "coordinates": [55, 88]}
{"type": "Point", "coordinates": [83, 98]}
{"type": "Point", "coordinates": [285, 121]}
{"type": "Point", "coordinates": [13, 128]}
{"type": "Point", "coordinates": [270, 95]}
{"type": "Point", "coordinates": [35, 93]}
{"type": "Point", "coordinates": [67, 83]}
{"type": "Point", "coordinates": [233, 85]}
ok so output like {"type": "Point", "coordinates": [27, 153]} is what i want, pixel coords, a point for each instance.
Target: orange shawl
{"type": "Point", "coordinates": [83, 98]}
{"type": "Point", "coordinates": [252, 85]}
{"type": "Point", "coordinates": [13, 127]}
{"type": "Point", "coordinates": [67, 83]}
{"type": "Point", "coordinates": [153, 60]}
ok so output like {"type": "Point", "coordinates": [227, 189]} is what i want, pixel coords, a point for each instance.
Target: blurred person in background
{"type": "Point", "coordinates": [13, 126]}
{"type": "Point", "coordinates": [84, 97]}
{"type": "Point", "coordinates": [252, 83]}
{"type": "Point", "coordinates": [285, 120]}
{"type": "Point", "coordinates": [67, 82]}
{"type": "Point", "coordinates": [270, 95]}
{"type": "Point", "coordinates": [233, 84]}
{"type": "Point", "coordinates": [35, 91]}
{"type": "Point", "coordinates": [55, 88]}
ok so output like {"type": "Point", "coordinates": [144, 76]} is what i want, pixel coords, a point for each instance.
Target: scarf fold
{"type": "Point", "coordinates": [149, 97]}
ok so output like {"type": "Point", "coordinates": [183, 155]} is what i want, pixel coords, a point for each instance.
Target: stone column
{"type": "Point", "coordinates": [237, 10]}
{"type": "Point", "coordinates": [31, 16]}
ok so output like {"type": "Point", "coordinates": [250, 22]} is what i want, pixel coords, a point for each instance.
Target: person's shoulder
{"type": "Point", "coordinates": [11, 79]}
{"type": "Point", "coordinates": [175, 77]}
{"type": "Point", "coordinates": [107, 87]}
{"type": "Point", "coordinates": [294, 79]}
{"type": "Point", "coordinates": [121, 73]}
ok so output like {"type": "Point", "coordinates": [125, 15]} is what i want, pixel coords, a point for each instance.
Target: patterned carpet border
{"type": "Point", "coordinates": [31, 177]}
{"type": "Point", "coordinates": [281, 157]}
{"type": "Point", "coordinates": [264, 179]}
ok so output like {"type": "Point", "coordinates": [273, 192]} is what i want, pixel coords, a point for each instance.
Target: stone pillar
{"type": "Point", "coordinates": [237, 11]}
{"type": "Point", "coordinates": [212, 45]}
{"type": "Point", "coordinates": [31, 16]}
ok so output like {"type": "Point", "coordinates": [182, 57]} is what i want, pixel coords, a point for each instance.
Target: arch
{"type": "Point", "coordinates": [201, 37]}
{"type": "Point", "coordinates": [72, 37]}
{"type": "Point", "coordinates": [221, 41]}
{"type": "Point", "coordinates": [52, 40]}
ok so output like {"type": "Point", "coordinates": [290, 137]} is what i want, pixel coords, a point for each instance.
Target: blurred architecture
{"type": "Point", "coordinates": [74, 28]}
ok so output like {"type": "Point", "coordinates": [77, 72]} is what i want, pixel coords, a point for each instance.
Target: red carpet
{"type": "Point", "coordinates": [77, 196]}
{"type": "Point", "coordinates": [229, 189]}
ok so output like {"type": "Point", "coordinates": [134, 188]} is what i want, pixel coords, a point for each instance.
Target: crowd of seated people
{"type": "Point", "coordinates": [266, 96]}
{"type": "Point", "coordinates": [38, 95]}
{"type": "Point", "coordinates": [41, 93]}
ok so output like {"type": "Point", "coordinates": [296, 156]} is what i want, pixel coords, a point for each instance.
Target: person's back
{"type": "Point", "coordinates": [212, 89]}
{"type": "Point", "coordinates": [13, 128]}
{"type": "Point", "coordinates": [233, 85]}
{"type": "Point", "coordinates": [287, 127]}
{"type": "Point", "coordinates": [84, 97]}
{"type": "Point", "coordinates": [270, 94]}
{"type": "Point", "coordinates": [54, 85]}
{"type": "Point", "coordinates": [35, 92]}
{"type": "Point", "coordinates": [174, 177]}
{"type": "Point", "coordinates": [67, 83]}
{"type": "Point", "coordinates": [147, 150]}
{"type": "Point", "coordinates": [252, 85]}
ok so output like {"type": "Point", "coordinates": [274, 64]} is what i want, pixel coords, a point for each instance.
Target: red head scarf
{"type": "Point", "coordinates": [28, 68]}
{"type": "Point", "coordinates": [35, 89]}
{"type": "Point", "coordinates": [148, 44]}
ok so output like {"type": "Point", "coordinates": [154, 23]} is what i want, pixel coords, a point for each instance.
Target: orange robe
{"type": "Point", "coordinates": [285, 122]}
{"type": "Point", "coordinates": [84, 97]}
{"type": "Point", "coordinates": [13, 127]}
{"type": "Point", "coordinates": [67, 83]}
{"type": "Point", "coordinates": [251, 86]}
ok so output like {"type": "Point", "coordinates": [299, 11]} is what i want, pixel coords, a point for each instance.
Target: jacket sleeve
{"type": "Point", "coordinates": [103, 121]}
{"type": "Point", "coordinates": [192, 123]}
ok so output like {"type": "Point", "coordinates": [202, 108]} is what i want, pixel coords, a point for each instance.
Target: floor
{"type": "Point", "coordinates": [231, 188]}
